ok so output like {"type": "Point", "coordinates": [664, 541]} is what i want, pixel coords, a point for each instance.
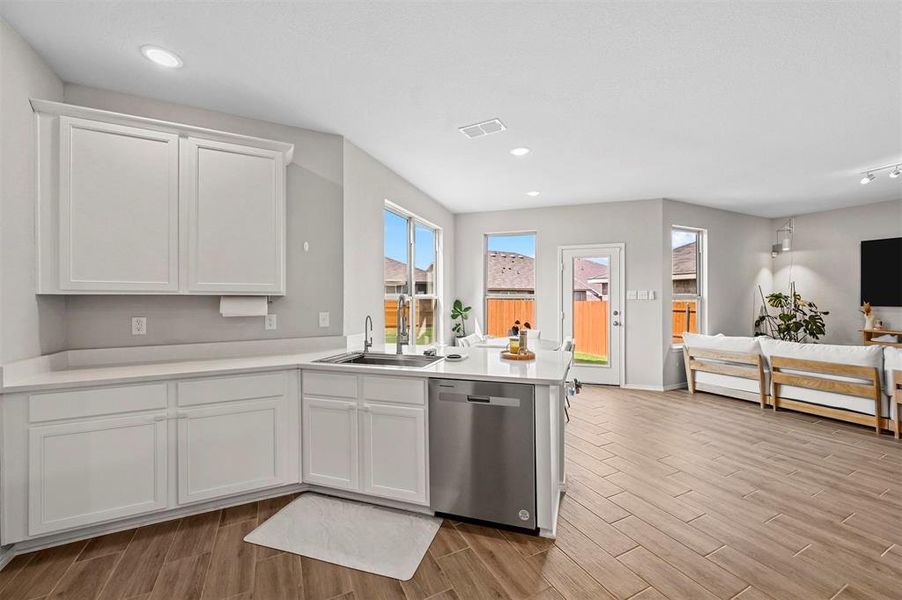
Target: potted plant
{"type": "Point", "coordinates": [796, 319]}
{"type": "Point", "coordinates": [459, 315]}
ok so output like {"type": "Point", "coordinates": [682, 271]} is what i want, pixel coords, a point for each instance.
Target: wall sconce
{"type": "Point", "coordinates": [784, 239]}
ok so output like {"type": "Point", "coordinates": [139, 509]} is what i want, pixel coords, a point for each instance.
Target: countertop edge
{"type": "Point", "coordinates": [44, 382]}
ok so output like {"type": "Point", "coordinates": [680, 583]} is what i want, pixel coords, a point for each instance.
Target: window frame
{"type": "Point", "coordinates": [701, 295]}
{"type": "Point", "coordinates": [486, 296]}
{"type": "Point", "coordinates": [412, 221]}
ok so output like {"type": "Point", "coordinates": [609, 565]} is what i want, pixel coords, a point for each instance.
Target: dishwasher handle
{"type": "Point", "coordinates": [480, 399]}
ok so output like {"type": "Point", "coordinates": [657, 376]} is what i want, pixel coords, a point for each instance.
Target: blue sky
{"type": "Point", "coordinates": [396, 241]}
{"type": "Point", "coordinates": [523, 244]}
{"type": "Point", "coordinates": [681, 238]}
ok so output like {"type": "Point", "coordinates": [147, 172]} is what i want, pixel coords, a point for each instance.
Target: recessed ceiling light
{"type": "Point", "coordinates": [867, 179]}
{"type": "Point", "coordinates": [895, 172]}
{"type": "Point", "coordinates": [532, 193]}
{"type": "Point", "coordinates": [161, 57]}
{"type": "Point", "coordinates": [521, 151]}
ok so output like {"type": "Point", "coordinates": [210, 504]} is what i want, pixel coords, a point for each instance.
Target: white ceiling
{"type": "Point", "coordinates": [764, 108]}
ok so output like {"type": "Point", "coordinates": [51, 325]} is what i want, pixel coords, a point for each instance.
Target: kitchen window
{"type": "Point", "coordinates": [687, 274]}
{"type": "Point", "coordinates": [510, 282]}
{"type": "Point", "coordinates": [411, 267]}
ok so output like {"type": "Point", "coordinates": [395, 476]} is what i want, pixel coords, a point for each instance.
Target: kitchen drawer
{"type": "Point", "coordinates": [329, 384]}
{"type": "Point", "coordinates": [401, 390]}
{"type": "Point", "coordinates": [224, 389]}
{"type": "Point", "coordinates": [76, 404]}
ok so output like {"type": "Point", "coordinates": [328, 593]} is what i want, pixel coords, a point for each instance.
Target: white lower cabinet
{"type": "Point", "coordinates": [96, 470]}
{"type": "Point", "coordinates": [235, 434]}
{"type": "Point", "coordinates": [81, 457]}
{"type": "Point", "coordinates": [394, 451]}
{"type": "Point", "coordinates": [233, 448]}
{"type": "Point", "coordinates": [330, 442]}
{"type": "Point", "coordinates": [372, 440]}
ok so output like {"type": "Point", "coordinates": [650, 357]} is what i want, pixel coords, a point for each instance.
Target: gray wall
{"type": "Point", "coordinates": [738, 261]}
{"type": "Point", "coordinates": [636, 224]}
{"type": "Point", "coordinates": [29, 325]}
{"type": "Point", "coordinates": [314, 278]}
{"type": "Point", "coordinates": [367, 185]}
{"type": "Point", "coordinates": [825, 263]}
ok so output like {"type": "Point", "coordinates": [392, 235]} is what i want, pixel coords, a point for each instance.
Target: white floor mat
{"type": "Point", "coordinates": [369, 538]}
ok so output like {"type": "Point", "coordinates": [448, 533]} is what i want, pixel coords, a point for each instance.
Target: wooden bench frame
{"type": "Point", "coordinates": [735, 364]}
{"type": "Point", "coordinates": [868, 387]}
{"type": "Point", "coordinates": [897, 400]}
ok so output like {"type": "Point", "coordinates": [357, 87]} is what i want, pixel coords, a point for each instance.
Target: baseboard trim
{"type": "Point", "coordinates": [9, 552]}
{"type": "Point", "coordinates": [654, 388]}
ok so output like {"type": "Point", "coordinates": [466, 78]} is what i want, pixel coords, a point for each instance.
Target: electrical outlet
{"type": "Point", "coordinates": [323, 319]}
{"type": "Point", "coordinates": [139, 325]}
{"type": "Point", "coordinates": [651, 294]}
{"type": "Point", "coordinates": [643, 294]}
{"type": "Point", "coordinates": [270, 322]}
{"type": "Point", "coordinates": [630, 294]}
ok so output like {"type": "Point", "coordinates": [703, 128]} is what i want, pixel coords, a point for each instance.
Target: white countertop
{"type": "Point", "coordinates": [549, 368]}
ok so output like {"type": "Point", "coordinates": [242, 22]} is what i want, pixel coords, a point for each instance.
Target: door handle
{"type": "Point", "coordinates": [483, 399]}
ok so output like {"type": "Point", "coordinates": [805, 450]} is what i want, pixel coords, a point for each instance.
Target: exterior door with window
{"type": "Point", "coordinates": [591, 313]}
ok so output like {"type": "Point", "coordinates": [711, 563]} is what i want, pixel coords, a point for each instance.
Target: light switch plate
{"type": "Point", "coordinates": [139, 325]}
{"type": "Point", "coordinates": [651, 294]}
{"type": "Point", "coordinates": [630, 294]}
{"type": "Point", "coordinates": [270, 322]}
{"type": "Point", "coordinates": [643, 294]}
{"type": "Point", "coordinates": [323, 319]}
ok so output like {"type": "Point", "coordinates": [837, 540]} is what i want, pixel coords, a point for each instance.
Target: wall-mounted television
{"type": "Point", "coordinates": [881, 272]}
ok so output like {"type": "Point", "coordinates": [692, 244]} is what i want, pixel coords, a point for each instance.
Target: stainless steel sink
{"type": "Point", "coordinates": [381, 359]}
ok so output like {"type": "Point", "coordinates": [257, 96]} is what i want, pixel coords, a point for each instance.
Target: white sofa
{"type": "Point", "coordinates": [725, 365]}
{"type": "Point", "coordinates": [843, 382]}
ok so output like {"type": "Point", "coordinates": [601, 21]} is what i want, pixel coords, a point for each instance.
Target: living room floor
{"type": "Point", "coordinates": [669, 495]}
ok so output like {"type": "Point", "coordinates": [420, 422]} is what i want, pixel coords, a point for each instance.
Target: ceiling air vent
{"type": "Point", "coordinates": [485, 128]}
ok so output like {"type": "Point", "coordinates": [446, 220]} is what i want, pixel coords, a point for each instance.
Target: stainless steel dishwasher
{"type": "Point", "coordinates": [482, 451]}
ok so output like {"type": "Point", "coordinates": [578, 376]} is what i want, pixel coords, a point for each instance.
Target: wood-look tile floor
{"type": "Point", "coordinates": [670, 496]}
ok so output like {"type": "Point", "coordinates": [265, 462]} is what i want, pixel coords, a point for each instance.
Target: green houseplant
{"type": "Point", "coordinates": [459, 315]}
{"type": "Point", "coordinates": [796, 319]}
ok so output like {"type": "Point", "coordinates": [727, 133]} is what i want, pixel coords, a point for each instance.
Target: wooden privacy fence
{"type": "Point", "coordinates": [590, 321]}
{"type": "Point", "coordinates": [425, 312]}
{"type": "Point", "coordinates": [684, 319]}
{"type": "Point", "coordinates": [590, 326]}
{"type": "Point", "coordinates": [502, 312]}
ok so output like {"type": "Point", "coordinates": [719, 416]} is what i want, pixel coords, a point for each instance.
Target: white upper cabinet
{"type": "Point", "coordinates": [234, 197]}
{"type": "Point", "coordinates": [118, 207]}
{"type": "Point", "coordinates": [130, 205]}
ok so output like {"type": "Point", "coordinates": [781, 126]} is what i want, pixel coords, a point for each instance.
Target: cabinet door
{"type": "Point", "coordinates": [231, 448]}
{"type": "Point", "coordinates": [233, 200]}
{"type": "Point", "coordinates": [394, 452]}
{"type": "Point", "coordinates": [330, 443]}
{"type": "Point", "coordinates": [92, 471]}
{"type": "Point", "coordinates": [118, 202]}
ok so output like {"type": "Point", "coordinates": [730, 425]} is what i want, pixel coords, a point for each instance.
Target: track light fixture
{"type": "Point", "coordinates": [869, 175]}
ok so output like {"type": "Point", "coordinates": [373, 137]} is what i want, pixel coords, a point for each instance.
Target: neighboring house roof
{"type": "Point", "coordinates": [510, 271]}
{"type": "Point", "coordinates": [684, 261]}
{"type": "Point", "coordinates": [395, 272]}
{"type": "Point", "coordinates": [589, 276]}
{"type": "Point", "coordinates": [515, 272]}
